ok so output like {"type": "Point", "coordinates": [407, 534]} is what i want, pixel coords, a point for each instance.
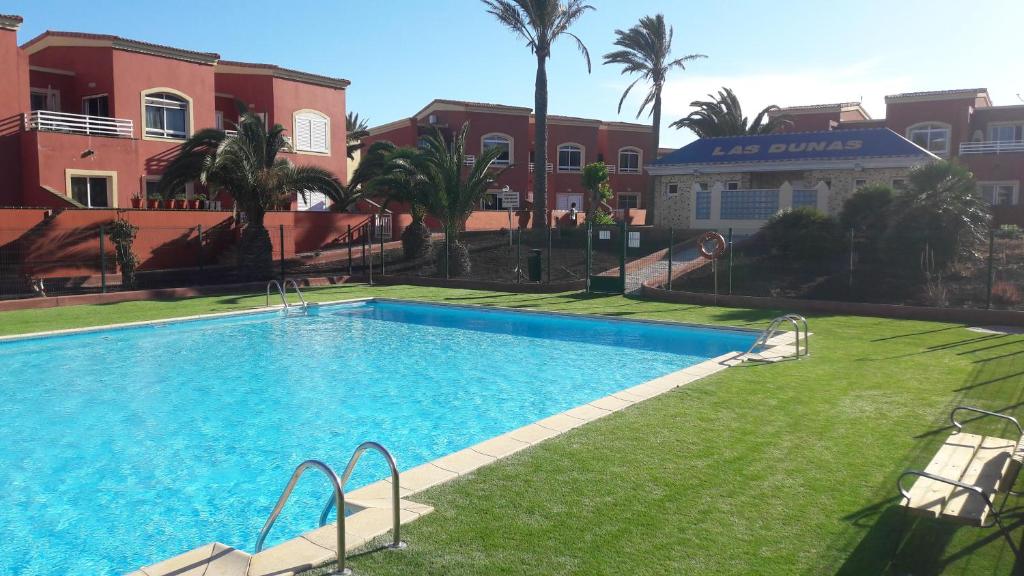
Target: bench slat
{"type": "Point", "coordinates": [986, 471]}
{"type": "Point", "coordinates": [927, 497]}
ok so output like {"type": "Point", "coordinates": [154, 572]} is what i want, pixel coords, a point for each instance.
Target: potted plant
{"type": "Point", "coordinates": [200, 201]}
{"type": "Point", "coordinates": [137, 200]}
{"type": "Point", "coordinates": [153, 202]}
{"type": "Point", "coordinates": [192, 203]}
{"type": "Point", "coordinates": [179, 202]}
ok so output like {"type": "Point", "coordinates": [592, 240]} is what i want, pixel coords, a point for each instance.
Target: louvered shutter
{"type": "Point", "coordinates": [302, 133]}
{"type": "Point", "coordinates": [318, 134]}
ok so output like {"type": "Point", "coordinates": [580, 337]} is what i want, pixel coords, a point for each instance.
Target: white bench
{"type": "Point", "coordinates": [965, 476]}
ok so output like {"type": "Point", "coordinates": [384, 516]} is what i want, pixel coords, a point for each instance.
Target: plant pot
{"type": "Point", "coordinates": [192, 204]}
{"type": "Point", "coordinates": [136, 202]}
{"type": "Point", "coordinates": [177, 204]}
{"type": "Point", "coordinates": [200, 204]}
{"type": "Point", "coordinates": [153, 203]}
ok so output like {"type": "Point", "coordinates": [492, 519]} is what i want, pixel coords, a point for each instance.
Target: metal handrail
{"type": "Point", "coordinates": [959, 426]}
{"type": "Point", "coordinates": [773, 326]}
{"type": "Point", "coordinates": [396, 540]}
{"type": "Point", "coordinates": [280, 290]}
{"type": "Point", "coordinates": [49, 121]}
{"type": "Point", "coordinates": [807, 346]}
{"type": "Point", "coordinates": [297, 291]}
{"type": "Point", "coordinates": [338, 494]}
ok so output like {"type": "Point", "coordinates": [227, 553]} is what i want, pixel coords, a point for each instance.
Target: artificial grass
{"type": "Point", "coordinates": [787, 468]}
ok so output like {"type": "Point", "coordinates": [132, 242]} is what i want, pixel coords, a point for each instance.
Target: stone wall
{"type": "Point", "coordinates": [674, 210]}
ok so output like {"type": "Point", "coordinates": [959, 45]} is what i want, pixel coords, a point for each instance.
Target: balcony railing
{"type": "Point", "coordinates": [550, 169]}
{"type": "Point", "coordinates": [992, 147]}
{"type": "Point", "coordinates": [47, 121]}
{"type": "Point", "coordinates": [469, 160]}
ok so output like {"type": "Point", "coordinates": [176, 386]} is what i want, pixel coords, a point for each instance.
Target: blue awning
{"type": "Point", "coordinates": [797, 146]}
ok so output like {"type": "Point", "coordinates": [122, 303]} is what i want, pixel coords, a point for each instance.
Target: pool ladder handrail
{"type": "Point", "coordinates": [762, 340]}
{"type": "Point", "coordinates": [336, 484]}
{"type": "Point", "coordinates": [396, 540]}
{"type": "Point", "coordinates": [282, 289]}
{"type": "Point", "coordinates": [338, 495]}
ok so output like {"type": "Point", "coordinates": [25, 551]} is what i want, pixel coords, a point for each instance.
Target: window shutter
{"type": "Point", "coordinates": [318, 135]}
{"type": "Point", "coordinates": [302, 133]}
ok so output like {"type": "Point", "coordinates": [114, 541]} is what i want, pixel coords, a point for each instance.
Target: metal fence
{"type": "Point", "coordinates": [989, 274]}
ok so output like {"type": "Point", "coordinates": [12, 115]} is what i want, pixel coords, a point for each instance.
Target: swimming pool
{"type": "Point", "coordinates": [126, 446]}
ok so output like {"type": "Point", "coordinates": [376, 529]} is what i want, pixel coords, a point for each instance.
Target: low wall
{"type": "Point", "coordinates": [970, 316]}
{"type": "Point", "coordinates": [39, 243]}
{"type": "Point", "coordinates": [259, 287]}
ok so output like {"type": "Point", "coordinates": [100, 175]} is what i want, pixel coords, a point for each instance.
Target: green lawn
{"type": "Point", "coordinates": [776, 469]}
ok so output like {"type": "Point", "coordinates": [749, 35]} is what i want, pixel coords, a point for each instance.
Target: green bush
{"type": "Point", "coordinates": [803, 236]}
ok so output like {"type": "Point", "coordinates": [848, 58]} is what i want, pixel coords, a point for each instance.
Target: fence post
{"type": "Point", "coordinates": [362, 242]}
{"type": "Point", "coordinates": [549, 253]}
{"type": "Point", "coordinates": [199, 233]}
{"type": "Point", "coordinates": [730, 261]}
{"type": "Point", "coordinates": [103, 262]}
{"type": "Point", "coordinates": [590, 227]}
{"type": "Point", "coordinates": [281, 229]}
{"type": "Point", "coordinates": [991, 271]}
{"type": "Point", "coordinates": [447, 255]}
{"type": "Point", "coordinates": [369, 245]}
{"type": "Point", "coordinates": [382, 249]}
{"type": "Point", "coordinates": [849, 282]}
{"type": "Point", "coordinates": [671, 241]}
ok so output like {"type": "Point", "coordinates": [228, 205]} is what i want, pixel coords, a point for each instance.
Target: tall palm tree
{"type": "Point", "coordinates": [246, 167]}
{"type": "Point", "coordinates": [453, 192]}
{"type": "Point", "coordinates": [356, 129]}
{"type": "Point", "coordinates": [540, 23]}
{"type": "Point", "coordinates": [723, 116]}
{"type": "Point", "coordinates": [646, 49]}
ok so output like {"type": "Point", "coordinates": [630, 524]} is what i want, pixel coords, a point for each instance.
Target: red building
{"type": "Point", "coordinates": [952, 124]}
{"type": "Point", "coordinates": [91, 120]}
{"type": "Point", "coordinates": [572, 144]}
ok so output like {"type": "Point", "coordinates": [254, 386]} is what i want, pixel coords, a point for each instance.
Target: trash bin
{"type": "Point", "coordinates": [533, 265]}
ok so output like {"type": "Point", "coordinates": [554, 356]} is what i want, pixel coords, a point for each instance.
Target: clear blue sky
{"type": "Point", "coordinates": [400, 54]}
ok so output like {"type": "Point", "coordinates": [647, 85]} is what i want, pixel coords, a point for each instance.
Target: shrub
{"type": "Point", "coordinates": [867, 212]}
{"type": "Point", "coordinates": [1006, 294]}
{"type": "Point", "coordinates": [122, 235]}
{"type": "Point", "coordinates": [803, 236]}
{"type": "Point", "coordinates": [603, 218]}
{"type": "Point", "coordinates": [415, 240]}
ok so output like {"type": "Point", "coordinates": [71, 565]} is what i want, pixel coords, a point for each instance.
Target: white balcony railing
{"type": "Point", "coordinates": [47, 121]}
{"type": "Point", "coordinates": [469, 160]}
{"type": "Point", "coordinates": [551, 167]}
{"type": "Point", "coordinates": [629, 170]}
{"type": "Point", "coordinates": [992, 147]}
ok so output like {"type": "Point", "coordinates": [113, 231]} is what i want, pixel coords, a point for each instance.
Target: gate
{"type": "Point", "coordinates": [606, 243]}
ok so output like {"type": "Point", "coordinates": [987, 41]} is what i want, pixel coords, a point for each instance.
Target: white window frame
{"type": "Point", "coordinates": [190, 187]}
{"type": "Point", "coordinates": [1014, 197]}
{"type": "Point", "coordinates": [178, 101]}
{"type": "Point", "coordinates": [1018, 131]}
{"type": "Point", "coordinates": [218, 120]}
{"type": "Point", "coordinates": [621, 195]}
{"type": "Point", "coordinates": [311, 116]}
{"type": "Point", "coordinates": [495, 137]}
{"type": "Point", "coordinates": [931, 127]}
{"type": "Point", "coordinates": [860, 183]}
{"type": "Point", "coordinates": [639, 160]}
{"type": "Point", "coordinates": [52, 97]}
{"type": "Point", "coordinates": [569, 146]}
{"type": "Point", "coordinates": [93, 97]}
{"type": "Point", "coordinates": [109, 176]}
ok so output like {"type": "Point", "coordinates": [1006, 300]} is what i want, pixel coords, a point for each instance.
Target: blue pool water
{"type": "Point", "coordinates": [124, 447]}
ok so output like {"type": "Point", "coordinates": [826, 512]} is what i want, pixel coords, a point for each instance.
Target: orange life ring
{"type": "Point", "coordinates": [719, 248]}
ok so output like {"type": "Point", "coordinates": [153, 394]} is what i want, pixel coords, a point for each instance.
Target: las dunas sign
{"type": "Point", "coordinates": [794, 147]}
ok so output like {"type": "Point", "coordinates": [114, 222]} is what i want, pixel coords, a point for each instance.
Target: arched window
{"type": "Point", "coordinates": [312, 132]}
{"type": "Point", "coordinates": [629, 160]}
{"type": "Point", "coordinates": [167, 115]}
{"type": "Point", "coordinates": [570, 158]}
{"type": "Point", "coordinates": [502, 142]}
{"type": "Point", "coordinates": [932, 136]}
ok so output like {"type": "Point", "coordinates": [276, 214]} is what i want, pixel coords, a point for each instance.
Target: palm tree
{"type": "Point", "coordinates": [371, 165]}
{"type": "Point", "coordinates": [402, 179]}
{"type": "Point", "coordinates": [540, 23]}
{"type": "Point", "coordinates": [453, 192]}
{"type": "Point", "coordinates": [723, 116]}
{"type": "Point", "coordinates": [941, 209]}
{"type": "Point", "coordinates": [246, 167]}
{"type": "Point", "coordinates": [646, 50]}
{"type": "Point", "coordinates": [356, 129]}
